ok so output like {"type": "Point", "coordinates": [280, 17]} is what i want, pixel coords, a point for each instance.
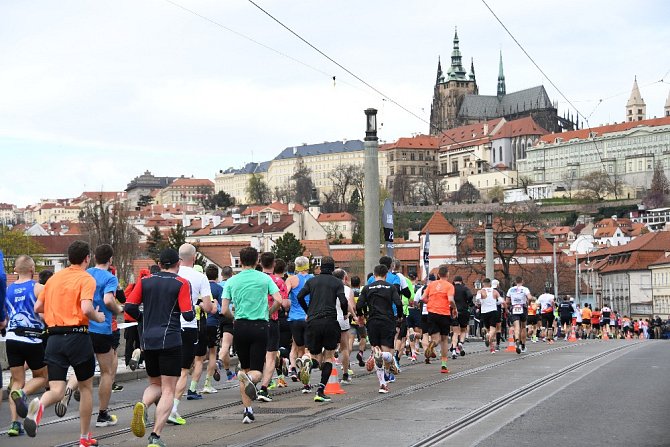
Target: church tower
{"type": "Point", "coordinates": [450, 89]}
{"type": "Point", "coordinates": [636, 109]}
{"type": "Point", "coordinates": [667, 105]}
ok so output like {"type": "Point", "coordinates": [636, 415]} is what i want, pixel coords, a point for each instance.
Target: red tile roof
{"type": "Point", "coordinates": [106, 195]}
{"type": "Point", "coordinates": [316, 248]}
{"type": "Point", "coordinates": [583, 134]}
{"type": "Point", "coordinates": [335, 217]}
{"type": "Point", "coordinates": [221, 253]}
{"type": "Point", "coordinates": [276, 226]}
{"type": "Point", "coordinates": [636, 260]}
{"type": "Point", "coordinates": [438, 224]}
{"type": "Point", "coordinates": [518, 127]}
{"type": "Point", "coordinates": [417, 142]}
{"type": "Point", "coordinates": [204, 231]}
{"type": "Point", "coordinates": [191, 182]}
{"type": "Point", "coordinates": [470, 135]}
{"type": "Point", "coordinates": [276, 206]}
{"type": "Point", "coordinates": [56, 245]}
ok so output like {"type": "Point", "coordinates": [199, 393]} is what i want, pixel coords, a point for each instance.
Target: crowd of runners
{"type": "Point", "coordinates": [280, 321]}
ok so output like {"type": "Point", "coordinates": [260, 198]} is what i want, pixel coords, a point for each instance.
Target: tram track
{"type": "Point", "coordinates": [327, 413]}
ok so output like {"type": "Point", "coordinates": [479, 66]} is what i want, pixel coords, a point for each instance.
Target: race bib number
{"type": "Point", "coordinates": [517, 309]}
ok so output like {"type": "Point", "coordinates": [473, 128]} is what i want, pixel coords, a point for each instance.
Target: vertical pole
{"type": "Point", "coordinates": [576, 276]}
{"type": "Point", "coordinates": [553, 249]}
{"type": "Point", "coordinates": [488, 245]}
{"type": "Point", "coordinates": [371, 187]}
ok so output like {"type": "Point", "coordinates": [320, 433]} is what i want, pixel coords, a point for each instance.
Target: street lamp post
{"type": "Point", "coordinates": [488, 242]}
{"type": "Point", "coordinates": [552, 241]}
{"type": "Point", "coordinates": [371, 187]}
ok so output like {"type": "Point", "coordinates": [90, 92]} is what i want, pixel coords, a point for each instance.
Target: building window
{"type": "Point", "coordinates": [412, 156]}
{"type": "Point", "coordinates": [506, 243]}
{"type": "Point", "coordinates": [454, 166]}
{"type": "Point", "coordinates": [392, 170]}
{"type": "Point", "coordinates": [412, 170]}
{"type": "Point", "coordinates": [391, 156]}
{"type": "Point", "coordinates": [421, 171]}
{"type": "Point", "coordinates": [533, 242]}
{"type": "Point", "coordinates": [420, 156]}
{"type": "Point", "coordinates": [479, 244]}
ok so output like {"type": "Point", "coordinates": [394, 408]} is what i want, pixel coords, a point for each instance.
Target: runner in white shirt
{"type": "Point", "coordinates": [345, 326]}
{"type": "Point", "coordinates": [488, 299]}
{"type": "Point", "coordinates": [546, 301]}
{"type": "Point", "coordinates": [517, 298]}
{"type": "Point", "coordinates": [192, 347]}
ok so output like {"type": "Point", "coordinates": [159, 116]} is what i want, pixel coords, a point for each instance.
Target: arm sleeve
{"type": "Point", "coordinates": [302, 294]}
{"type": "Point", "coordinates": [111, 285]}
{"type": "Point", "coordinates": [184, 300]}
{"type": "Point", "coordinates": [205, 289]}
{"type": "Point", "coordinates": [133, 301]}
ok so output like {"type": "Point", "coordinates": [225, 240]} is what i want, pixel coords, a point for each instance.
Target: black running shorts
{"type": "Point", "coordinates": [189, 340]}
{"type": "Point", "coordinates": [532, 319]}
{"type": "Point", "coordinates": [489, 319]}
{"type": "Point", "coordinates": [322, 334]}
{"type": "Point", "coordinates": [548, 319]}
{"type": "Point", "coordinates": [298, 329]}
{"type": "Point", "coordinates": [102, 343]}
{"type": "Point", "coordinates": [439, 324]}
{"type": "Point", "coordinates": [20, 352]}
{"type": "Point", "coordinates": [463, 319]}
{"type": "Point", "coordinates": [414, 318]}
{"type": "Point", "coordinates": [250, 343]}
{"type": "Point", "coordinates": [65, 350]}
{"type": "Point", "coordinates": [273, 336]}
{"type": "Point", "coordinates": [213, 336]}
{"type": "Point", "coordinates": [381, 333]}
{"type": "Point", "coordinates": [201, 345]}
{"type": "Point", "coordinates": [522, 317]}
{"type": "Point", "coordinates": [163, 362]}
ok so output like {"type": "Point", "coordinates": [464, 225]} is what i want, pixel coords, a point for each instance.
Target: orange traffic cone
{"type": "Point", "coordinates": [333, 385]}
{"type": "Point", "coordinates": [511, 346]}
{"type": "Point", "coordinates": [572, 337]}
{"type": "Point", "coordinates": [605, 336]}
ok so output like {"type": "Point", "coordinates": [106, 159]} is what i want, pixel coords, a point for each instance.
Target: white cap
{"type": "Point", "coordinates": [495, 283]}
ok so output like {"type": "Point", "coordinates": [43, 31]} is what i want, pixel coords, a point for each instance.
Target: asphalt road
{"type": "Point", "coordinates": [587, 393]}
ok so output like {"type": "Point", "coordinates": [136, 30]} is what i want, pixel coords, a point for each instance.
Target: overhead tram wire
{"type": "Point", "coordinates": [367, 84]}
{"type": "Point", "coordinates": [261, 44]}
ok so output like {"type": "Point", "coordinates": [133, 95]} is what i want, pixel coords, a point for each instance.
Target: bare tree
{"type": "Point", "coordinates": [344, 180]}
{"type": "Point", "coordinates": [569, 179]}
{"type": "Point", "coordinates": [109, 222]}
{"type": "Point", "coordinates": [594, 186]}
{"type": "Point", "coordinates": [402, 190]}
{"type": "Point", "coordinates": [430, 188]}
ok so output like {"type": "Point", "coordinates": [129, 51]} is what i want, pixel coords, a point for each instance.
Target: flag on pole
{"type": "Point", "coordinates": [387, 220]}
{"type": "Point", "coordinates": [426, 254]}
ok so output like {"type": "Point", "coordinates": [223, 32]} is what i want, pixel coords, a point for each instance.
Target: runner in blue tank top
{"type": "Point", "coordinates": [297, 316]}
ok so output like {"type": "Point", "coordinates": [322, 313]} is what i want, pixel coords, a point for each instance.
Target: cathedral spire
{"type": "Point", "coordinates": [440, 76]}
{"type": "Point", "coordinates": [636, 109]}
{"type": "Point", "coordinates": [667, 105]}
{"type": "Point", "coordinates": [472, 69]}
{"type": "Point", "coordinates": [456, 70]}
{"type": "Point", "coordinates": [501, 78]}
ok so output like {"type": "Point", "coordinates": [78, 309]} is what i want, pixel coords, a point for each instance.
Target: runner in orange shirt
{"type": "Point", "coordinates": [586, 320]}
{"type": "Point", "coordinates": [595, 322]}
{"type": "Point", "coordinates": [439, 298]}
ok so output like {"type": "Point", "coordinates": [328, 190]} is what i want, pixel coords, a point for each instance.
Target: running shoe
{"type": "Point", "coordinates": [116, 387]}
{"type": "Point", "coordinates": [294, 375]}
{"type": "Point", "coordinates": [32, 420]}
{"type": "Point", "coordinates": [248, 417]}
{"type": "Point", "coordinates": [155, 441]}
{"type": "Point", "coordinates": [138, 424]}
{"type": "Point", "coordinates": [19, 398]}
{"type": "Point", "coordinates": [263, 396]}
{"type": "Point", "coordinates": [306, 389]}
{"type": "Point", "coordinates": [106, 420]}
{"type": "Point", "coordinates": [249, 387]}
{"type": "Point", "coordinates": [208, 389]}
{"type": "Point", "coordinates": [461, 350]}
{"type": "Point", "coordinates": [217, 371]}
{"type": "Point", "coordinates": [487, 342]}
{"type": "Point", "coordinates": [454, 355]}
{"type": "Point", "coordinates": [370, 363]}
{"type": "Point", "coordinates": [430, 350]}
{"type": "Point", "coordinates": [305, 370]}
{"type": "Point", "coordinates": [345, 380]}
{"type": "Point", "coordinates": [523, 348]}
{"type": "Point", "coordinates": [193, 395]}
{"type": "Point", "coordinates": [135, 359]}
{"type": "Point", "coordinates": [88, 441]}
{"type": "Point", "coordinates": [230, 375]}
{"type": "Point", "coordinates": [390, 378]}
{"type": "Point", "coordinates": [518, 347]}
{"type": "Point", "coordinates": [321, 397]}
{"type": "Point", "coordinates": [61, 406]}
{"type": "Point", "coordinates": [379, 360]}
{"type": "Point", "coordinates": [281, 383]}
{"type": "Point", "coordinates": [493, 350]}
{"type": "Point", "coordinates": [498, 347]}
{"type": "Point", "coordinates": [359, 357]}
{"type": "Point", "coordinates": [444, 369]}
{"type": "Point", "coordinates": [413, 358]}
{"type": "Point", "coordinates": [383, 389]}
{"type": "Point", "coordinates": [76, 395]}
{"type": "Point", "coordinates": [16, 429]}
{"type": "Point", "coordinates": [273, 385]}
{"type": "Point", "coordinates": [176, 419]}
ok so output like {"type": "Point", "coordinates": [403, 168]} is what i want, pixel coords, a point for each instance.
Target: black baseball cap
{"type": "Point", "coordinates": [168, 257]}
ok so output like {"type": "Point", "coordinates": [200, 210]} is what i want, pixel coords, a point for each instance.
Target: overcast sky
{"type": "Point", "coordinates": [92, 93]}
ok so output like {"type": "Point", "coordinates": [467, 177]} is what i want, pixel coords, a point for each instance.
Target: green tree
{"type": "Point", "coordinates": [258, 192]}
{"type": "Point", "coordinates": [659, 189]}
{"type": "Point", "coordinates": [155, 243]}
{"type": "Point", "coordinates": [14, 243]}
{"type": "Point", "coordinates": [219, 200]}
{"type": "Point", "coordinates": [303, 184]}
{"type": "Point", "coordinates": [177, 236]}
{"type": "Point", "coordinates": [287, 247]}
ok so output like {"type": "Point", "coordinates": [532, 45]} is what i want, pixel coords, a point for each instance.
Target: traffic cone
{"type": "Point", "coordinates": [605, 336]}
{"type": "Point", "coordinates": [333, 385]}
{"type": "Point", "coordinates": [511, 346]}
{"type": "Point", "coordinates": [572, 337]}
